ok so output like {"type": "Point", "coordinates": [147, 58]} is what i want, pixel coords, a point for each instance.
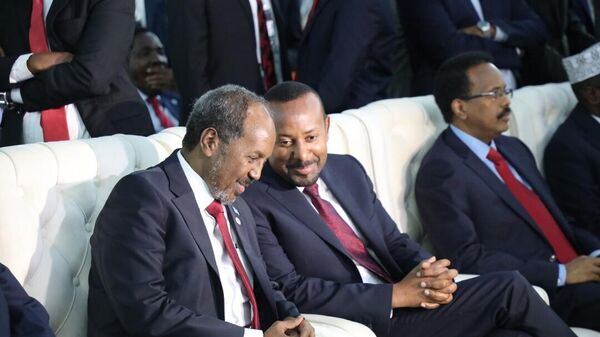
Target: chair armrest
{"type": "Point", "coordinates": [327, 326]}
{"type": "Point", "coordinates": [540, 291]}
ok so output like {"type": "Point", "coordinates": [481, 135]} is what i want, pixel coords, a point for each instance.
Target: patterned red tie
{"type": "Point", "coordinates": [537, 210]}
{"type": "Point", "coordinates": [266, 53]}
{"type": "Point", "coordinates": [160, 113]}
{"type": "Point", "coordinates": [53, 121]}
{"type": "Point", "coordinates": [216, 210]}
{"type": "Point", "coordinates": [354, 246]}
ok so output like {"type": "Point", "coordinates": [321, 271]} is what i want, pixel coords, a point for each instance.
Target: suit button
{"type": "Point", "coordinates": [552, 258]}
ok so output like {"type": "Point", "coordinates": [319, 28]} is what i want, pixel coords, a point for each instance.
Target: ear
{"type": "Point", "coordinates": [327, 126]}
{"type": "Point", "coordinates": [209, 142]}
{"type": "Point", "coordinates": [458, 108]}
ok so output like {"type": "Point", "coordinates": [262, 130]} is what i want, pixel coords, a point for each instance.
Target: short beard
{"type": "Point", "coordinates": [212, 178]}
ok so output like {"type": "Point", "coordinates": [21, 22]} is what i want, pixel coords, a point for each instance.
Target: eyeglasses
{"type": "Point", "coordinates": [498, 93]}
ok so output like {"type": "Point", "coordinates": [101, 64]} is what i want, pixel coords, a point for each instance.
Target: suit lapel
{"type": "Point", "coordinates": [239, 225]}
{"type": "Point", "coordinates": [588, 125]}
{"type": "Point", "coordinates": [24, 16]}
{"type": "Point", "coordinates": [246, 8]}
{"type": "Point", "coordinates": [354, 210]}
{"type": "Point", "coordinates": [320, 5]}
{"type": "Point", "coordinates": [292, 199]}
{"type": "Point", "coordinates": [480, 169]}
{"type": "Point", "coordinates": [185, 202]}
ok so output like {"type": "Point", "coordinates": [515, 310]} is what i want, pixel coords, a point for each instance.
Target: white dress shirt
{"type": "Point", "coordinates": [155, 121]}
{"type": "Point", "coordinates": [235, 301]}
{"type": "Point", "coordinates": [325, 194]}
{"type": "Point", "coordinates": [596, 118]}
{"type": "Point", "coordinates": [32, 130]}
{"type": "Point", "coordinates": [507, 74]}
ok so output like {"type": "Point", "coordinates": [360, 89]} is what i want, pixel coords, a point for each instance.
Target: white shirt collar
{"type": "Point", "coordinates": [197, 183]}
{"type": "Point", "coordinates": [597, 118]}
{"type": "Point", "coordinates": [478, 147]}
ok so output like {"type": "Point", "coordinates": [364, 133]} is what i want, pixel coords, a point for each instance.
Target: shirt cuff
{"type": "Point", "coordinates": [562, 275]}
{"type": "Point", "coordinates": [595, 253]}
{"type": "Point", "coordinates": [253, 333]}
{"type": "Point", "coordinates": [500, 36]}
{"type": "Point", "coordinates": [15, 95]}
{"type": "Point", "coordinates": [19, 71]}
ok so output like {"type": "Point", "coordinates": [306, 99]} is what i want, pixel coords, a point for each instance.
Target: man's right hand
{"type": "Point", "coordinates": [429, 285]}
{"type": "Point", "coordinates": [289, 327]}
{"type": "Point", "coordinates": [39, 62]}
{"type": "Point", "coordinates": [583, 269]}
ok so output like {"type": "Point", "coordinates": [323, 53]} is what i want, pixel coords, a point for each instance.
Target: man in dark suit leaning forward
{"type": "Point", "coordinates": [485, 205]}
{"type": "Point", "coordinates": [334, 250]}
{"type": "Point", "coordinates": [174, 251]}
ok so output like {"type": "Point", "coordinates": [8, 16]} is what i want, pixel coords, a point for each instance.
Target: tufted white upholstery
{"type": "Point", "coordinates": [50, 194]}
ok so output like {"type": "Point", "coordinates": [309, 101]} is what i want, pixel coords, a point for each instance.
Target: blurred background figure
{"type": "Point", "coordinates": [64, 72]}
{"type": "Point", "coordinates": [588, 11]}
{"type": "Point", "coordinates": [440, 29]}
{"type": "Point", "coordinates": [566, 35]}
{"type": "Point", "coordinates": [225, 42]}
{"type": "Point", "coordinates": [344, 49]}
{"type": "Point", "coordinates": [151, 74]}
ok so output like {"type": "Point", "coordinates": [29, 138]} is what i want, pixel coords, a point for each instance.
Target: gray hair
{"type": "Point", "coordinates": [225, 109]}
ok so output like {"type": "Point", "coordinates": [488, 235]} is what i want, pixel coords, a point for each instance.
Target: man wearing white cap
{"type": "Point", "coordinates": [572, 158]}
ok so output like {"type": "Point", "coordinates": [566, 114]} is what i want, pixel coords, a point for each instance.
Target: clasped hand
{"type": "Point", "coordinates": [429, 285]}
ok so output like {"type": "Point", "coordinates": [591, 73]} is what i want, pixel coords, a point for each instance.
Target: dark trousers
{"type": "Point", "coordinates": [499, 304]}
{"type": "Point", "coordinates": [579, 305]}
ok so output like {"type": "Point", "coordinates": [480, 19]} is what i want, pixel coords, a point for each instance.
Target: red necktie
{"type": "Point", "coordinates": [216, 210]}
{"type": "Point", "coordinates": [160, 113]}
{"type": "Point", "coordinates": [266, 53]}
{"type": "Point", "coordinates": [53, 121]}
{"type": "Point", "coordinates": [537, 210]}
{"type": "Point", "coordinates": [354, 246]}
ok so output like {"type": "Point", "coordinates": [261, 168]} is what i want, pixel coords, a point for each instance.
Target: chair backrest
{"type": "Point", "coordinates": [51, 193]}
{"type": "Point", "coordinates": [50, 196]}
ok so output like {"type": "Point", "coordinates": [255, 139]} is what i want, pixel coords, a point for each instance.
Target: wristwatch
{"type": "Point", "coordinates": [5, 100]}
{"type": "Point", "coordinates": [486, 28]}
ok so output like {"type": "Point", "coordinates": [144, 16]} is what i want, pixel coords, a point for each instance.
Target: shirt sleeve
{"type": "Point", "coordinates": [253, 333]}
{"type": "Point", "coordinates": [562, 275]}
{"type": "Point", "coordinates": [19, 71]}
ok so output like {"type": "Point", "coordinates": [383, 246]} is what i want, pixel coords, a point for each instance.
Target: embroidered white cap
{"type": "Point", "coordinates": [584, 65]}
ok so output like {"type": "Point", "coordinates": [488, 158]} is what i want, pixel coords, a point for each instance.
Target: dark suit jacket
{"type": "Point", "coordinates": [583, 11]}
{"type": "Point", "coordinates": [567, 35]}
{"type": "Point", "coordinates": [432, 27]}
{"type": "Point", "coordinates": [345, 52]}
{"type": "Point", "coordinates": [98, 33]}
{"type": "Point", "coordinates": [153, 269]}
{"type": "Point", "coordinates": [572, 165]}
{"type": "Point", "coordinates": [293, 237]}
{"type": "Point", "coordinates": [213, 43]}
{"type": "Point", "coordinates": [473, 219]}
{"type": "Point", "coordinates": [20, 315]}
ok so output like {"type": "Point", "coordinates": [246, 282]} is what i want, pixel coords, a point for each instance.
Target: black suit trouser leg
{"type": "Point", "coordinates": [579, 305]}
{"type": "Point", "coordinates": [496, 304]}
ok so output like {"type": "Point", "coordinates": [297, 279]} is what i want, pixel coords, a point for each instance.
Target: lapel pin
{"type": "Point", "coordinates": [235, 210]}
{"type": "Point", "coordinates": [238, 221]}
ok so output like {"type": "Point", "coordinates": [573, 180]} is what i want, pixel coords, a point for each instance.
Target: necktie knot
{"type": "Point", "coordinates": [215, 208]}
{"type": "Point", "coordinates": [312, 190]}
{"type": "Point", "coordinates": [495, 156]}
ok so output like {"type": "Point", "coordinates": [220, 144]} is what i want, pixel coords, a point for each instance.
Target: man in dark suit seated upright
{"type": "Point", "coordinates": [174, 251]}
{"type": "Point", "coordinates": [485, 205]}
{"type": "Point", "coordinates": [572, 157]}
{"type": "Point", "coordinates": [334, 250]}
{"type": "Point", "coordinates": [20, 315]}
